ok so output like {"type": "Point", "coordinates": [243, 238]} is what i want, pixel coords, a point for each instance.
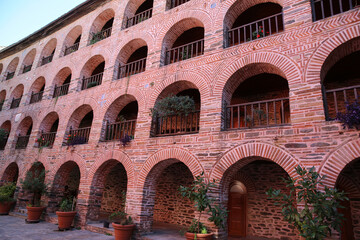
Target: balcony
{"type": "Point", "coordinates": [27, 68]}
{"type": "Point", "coordinates": [175, 3]}
{"type": "Point", "coordinates": [268, 113]}
{"type": "Point", "coordinates": [71, 49]}
{"type": "Point", "coordinates": [258, 29]}
{"type": "Point", "coordinates": [138, 18]}
{"type": "Point", "coordinates": [22, 142]}
{"type": "Point", "coordinates": [61, 90]}
{"type": "Point", "coordinates": [92, 81]}
{"type": "Point", "coordinates": [336, 100]}
{"type": "Point", "coordinates": [132, 68]}
{"type": "Point", "coordinates": [15, 103]}
{"type": "Point", "coordinates": [10, 75]}
{"type": "Point", "coordinates": [118, 130]}
{"type": "Point", "coordinates": [177, 124]}
{"type": "Point", "coordinates": [47, 139]}
{"type": "Point", "coordinates": [96, 37]}
{"type": "Point", "coordinates": [184, 52]}
{"type": "Point", "coordinates": [79, 136]}
{"type": "Point", "coordinates": [326, 8]}
{"type": "Point", "coordinates": [36, 97]}
{"type": "Point", "coordinates": [46, 60]}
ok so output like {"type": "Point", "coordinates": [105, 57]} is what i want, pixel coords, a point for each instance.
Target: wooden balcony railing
{"type": "Point", "coordinates": [336, 100]}
{"type": "Point", "coordinates": [326, 8]}
{"type": "Point", "coordinates": [46, 60]}
{"type": "Point", "coordinates": [47, 139]}
{"type": "Point", "coordinates": [138, 18]}
{"type": "Point", "coordinates": [10, 75]}
{"type": "Point", "coordinates": [27, 68]}
{"type": "Point", "coordinates": [71, 49]}
{"type": "Point", "coordinates": [258, 114]}
{"type": "Point", "coordinates": [175, 3]}
{"type": "Point", "coordinates": [116, 131]}
{"type": "Point", "coordinates": [132, 68]}
{"type": "Point", "coordinates": [15, 102]}
{"type": "Point", "coordinates": [177, 124]}
{"type": "Point", "coordinates": [184, 52]}
{"type": "Point", "coordinates": [79, 136]}
{"type": "Point", "coordinates": [255, 30]}
{"type": "Point", "coordinates": [61, 90]}
{"type": "Point", "coordinates": [2, 104]}
{"type": "Point", "coordinates": [22, 142]}
{"type": "Point", "coordinates": [92, 81]}
{"type": "Point", "coordinates": [96, 37]}
{"type": "Point", "coordinates": [36, 97]}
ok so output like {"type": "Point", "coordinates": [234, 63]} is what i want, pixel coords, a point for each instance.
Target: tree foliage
{"type": "Point", "coordinates": [173, 105]}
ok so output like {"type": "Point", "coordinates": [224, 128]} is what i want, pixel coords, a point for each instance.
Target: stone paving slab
{"type": "Point", "coordinates": [14, 228]}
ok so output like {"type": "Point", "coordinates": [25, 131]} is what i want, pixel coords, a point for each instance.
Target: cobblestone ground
{"type": "Point", "coordinates": [13, 228]}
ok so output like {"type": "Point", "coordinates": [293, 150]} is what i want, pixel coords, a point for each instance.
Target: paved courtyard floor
{"type": "Point", "coordinates": [14, 228]}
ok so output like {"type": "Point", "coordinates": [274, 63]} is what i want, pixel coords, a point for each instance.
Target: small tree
{"type": "Point", "coordinates": [319, 215]}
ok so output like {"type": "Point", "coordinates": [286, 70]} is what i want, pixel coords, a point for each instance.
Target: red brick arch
{"type": "Point", "coordinates": [171, 153]}
{"type": "Point", "coordinates": [101, 19]}
{"type": "Point", "coordinates": [246, 151]}
{"type": "Point", "coordinates": [313, 67]}
{"type": "Point", "coordinates": [283, 63]}
{"type": "Point", "coordinates": [12, 65]}
{"type": "Point", "coordinates": [10, 173]}
{"type": "Point", "coordinates": [48, 49]}
{"type": "Point", "coordinates": [29, 58]}
{"type": "Point", "coordinates": [336, 161]}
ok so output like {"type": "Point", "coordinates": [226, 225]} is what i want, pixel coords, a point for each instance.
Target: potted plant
{"type": "Point", "coordinates": [198, 192]}
{"type": "Point", "coordinates": [319, 215]}
{"type": "Point", "coordinates": [6, 198]}
{"type": "Point", "coordinates": [34, 183]}
{"type": "Point", "coordinates": [123, 225]}
{"type": "Point", "coordinates": [66, 214]}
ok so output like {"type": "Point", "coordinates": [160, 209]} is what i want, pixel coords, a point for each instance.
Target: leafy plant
{"type": "Point", "coordinates": [7, 192]}
{"type": "Point", "coordinates": [91, 84]}
{"type": "Point", "coordinates": [34, 183]}
{"type": "Point", "coordinates": [126, 139]}
{"type": "Point", "coordinates": [198, 192]}
{"type": "Point", "coordinates": [41, 142]}
{"type": "Point", "coordinates": [3, 134]}
{"type": "Point", "coordinates": [173, 105]}
{"type": "Point", "coordinates": [319, 215]}
{"type": "Point", "coordinates": [121, 217]}
{"type": "Point", "coordinates": [351, 117]}
{"type": "Point", "coordinates": [68, 204]}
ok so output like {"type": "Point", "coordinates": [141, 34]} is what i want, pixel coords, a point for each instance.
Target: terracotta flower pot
{"type": "Point", "coordinates": [34, 214]}
{"type": "Point", "coordinates": [5, 207]}
{"type": "Point", "coordinates": [65, 219]}
{"type": "Point", "coordinates": [123, 232]}
{"type": "Point", "coordinates": [199, 236]}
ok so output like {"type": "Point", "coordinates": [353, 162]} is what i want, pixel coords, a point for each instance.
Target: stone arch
{"type": "Point", "coordinates": [17, 92]}
{"type": "Point", "coordinates": [48, 50]}
{"type": "Point", "coordinates": [285, 65]}
{"type": "Point", "coordinates": [48, 121]}
{"type": "Point", "coordinates": [314, 65]}
{"type": "Point", "coordinates": [24, 126]}
{"type": "Point", "coordinates": [130, 11]}
{"type": "Point", "coordinates": [78, 115]}
{"type": "Point", "coordinates": [72, 38]}
{"type": "Point", "coordinates": [37, 87]}
{"type": "Point", "coordinates": [90, 65]}
{"type": "Point", "coordinates": [28, 61]}
{"type": "Point", "coordinates": [11, 173]}
{"type": "Point", "coordinates": [11, 68]}
{"type": "Point", "coordinates": [336, 161]}
{"type": "Point", "coordinates": [61, 76]}
{"type": "Point", "coordinates": [101, 19]}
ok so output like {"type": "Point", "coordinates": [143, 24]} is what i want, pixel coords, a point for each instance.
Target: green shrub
{"type": "Point", "coordinates": [173, 105]}
{"type": "Point", "coordinates": [7, 192]}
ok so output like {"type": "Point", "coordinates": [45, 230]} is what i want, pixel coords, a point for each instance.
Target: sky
{"type": "Point", "coordinates": [20, 18]}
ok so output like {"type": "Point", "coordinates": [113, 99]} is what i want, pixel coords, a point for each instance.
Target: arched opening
{"type": "Point", "coordinates": [28, 61]}
{"type": "Point", "coordinates": [72, 40]}
{"type": "Point", "coordinates": [23, 133]}
{"type": "Point", "coordinates": [250, 213]}
{"type": "Point", "coordinates": [1, 68]}
{"type": "Point", "coordinates": [37, 90]}
{"type": "Point", "coordinates": [248, 21]}
{"type": "Point", "coordinates": [108, 190]}
{"type": "Point", "coordinates": [79, 126]}
{"type": "Point", "coordinates": [349, 182]}
{"type": "Point", "coordinates": [183, 41]}
{"type": "Point", "coordinates": [62, 82]}
{"type": "Point", "coordinates": [341, 78]}
{"type": "Point", "coordinates": [120, 118]}
{"type": "Point", "coordinates": [132, 58]}
{"type": "Point", "coordinates": [16, 96]}
{"type": "Point", "coordinates": [65, 185]}
{"type": "Point", "coordinates": [4, 133]}
{"type": "Point", "coordinates": [182, 122]}
{"type": "Point", "coordinates": [11, 174]}
{"type": "Point", "coordinates": [48, 52]}
{"type": "Point", "coordinates": [162, 204]}
{"type": "Point", "coordinates": [257, 95]}
{"type": "Point", "coordinates": [47, 130]}
{"type": "Point", "coordinates": [2, 99]}
{"type": "Point", "coordinates": [137, 12]}
{"type": "Point", "coordinates": [92, 73]}
{"type": "Point", "coordinates": [102, 26]}
{"type": "Point", "coordinates": [174, 3]}
{"type": "Point", "coordinates": [11, 69]}
{"type": "Point", "coordinates": [323, 9]}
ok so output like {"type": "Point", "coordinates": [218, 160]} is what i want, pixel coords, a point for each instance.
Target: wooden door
{"type": "Point", "coordinates": [237, 214]}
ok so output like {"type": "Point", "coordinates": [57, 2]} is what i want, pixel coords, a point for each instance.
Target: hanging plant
{"type": "Point", "coordinates": [126, 140]}
{"type": "Point", "coordinates": [351, 117]}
